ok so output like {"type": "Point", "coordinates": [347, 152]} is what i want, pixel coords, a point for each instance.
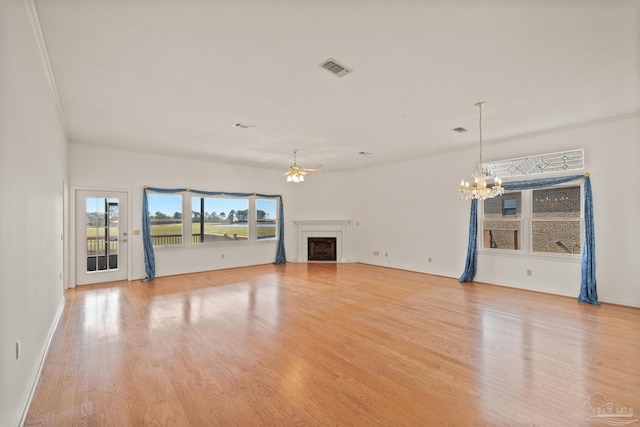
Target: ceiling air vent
{"type": "Point", "coordinates": [242, 125]}
{"type": "Point", "coordinates": [333, 67]}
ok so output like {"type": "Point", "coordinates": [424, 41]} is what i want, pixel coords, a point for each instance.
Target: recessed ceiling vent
{"type": "Point", "coordinates": [460, 130]}
{"type": "Point", "coordinates": [242, 125]}
{"type": "Point", "coordinates": [333, 67]}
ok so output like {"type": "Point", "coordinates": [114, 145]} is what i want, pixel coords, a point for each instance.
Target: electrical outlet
{"type": "Point", "coordinates": [18, 349]}
{"type": "Point", "coordinates": [429, 260]}
{"type": "Point", "coordinates": [222, 256]}
{"type": "Point", "coordinates": [529, 272]}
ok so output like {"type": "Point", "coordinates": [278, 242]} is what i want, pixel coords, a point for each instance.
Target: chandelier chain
{"type": "Point", "coordinates": [480, 189]}
{"type": "Point", "coordinates": [480, 104]}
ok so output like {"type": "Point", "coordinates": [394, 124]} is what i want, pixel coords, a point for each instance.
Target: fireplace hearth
{"type": "Point", "coordinates": [321, 249]}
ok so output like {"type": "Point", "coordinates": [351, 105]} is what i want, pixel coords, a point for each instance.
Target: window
{"type": "Point", "coordinates": [556, 220]}
{"type": "Point", "coordinates": [534, 221]}
{"type": "Point", "coordinates": [190, 219]}
{"type": "Point", "coordinates": [165, 215]}
{"type": "Point", "coordinates": [509, 206]}
{"type": "Point", "coordinates": [502, 224]}
{"type": "Point", "coordinates": [266, 219]}
{"type": "Point", "coordinates": [215, 219]}
{"type": "Point", "coordinates": [541, 164]}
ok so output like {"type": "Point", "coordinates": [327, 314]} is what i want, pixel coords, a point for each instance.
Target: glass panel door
{"type": "Point", "coordinates": [101, 237]}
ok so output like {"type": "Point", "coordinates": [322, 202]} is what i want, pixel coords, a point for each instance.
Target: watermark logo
{"type": "Point", "coordinates": [606, 411]}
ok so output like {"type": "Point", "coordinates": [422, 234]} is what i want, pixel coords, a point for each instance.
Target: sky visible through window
{"type": "Point", "coordinates": [219, 205]}
{"type": "Point", "coordinates": [170, 204]}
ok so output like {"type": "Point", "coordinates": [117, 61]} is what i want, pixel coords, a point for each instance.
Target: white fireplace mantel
{"type": "Point", "coordinates": [322, 228]}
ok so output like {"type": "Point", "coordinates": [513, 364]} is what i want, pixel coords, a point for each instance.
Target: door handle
{"type": "Point", "coordinates": [123, 240]}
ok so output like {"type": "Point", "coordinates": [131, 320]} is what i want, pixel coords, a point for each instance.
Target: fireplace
{"type": "Point", "coordinates": [321, 249]}
{"type": "Point", "coordinates": [323, 229]}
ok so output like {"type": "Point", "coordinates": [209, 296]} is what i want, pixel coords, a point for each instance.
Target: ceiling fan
{"type": "Point", "coordinates": [296, 173]}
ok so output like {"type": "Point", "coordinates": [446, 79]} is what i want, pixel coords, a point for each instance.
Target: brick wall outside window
{"type": "Point", "coordinates": [554, 217]}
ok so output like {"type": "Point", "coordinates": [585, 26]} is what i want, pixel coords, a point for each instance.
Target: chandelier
{"type": "Point", "coordinates": [480, 189]}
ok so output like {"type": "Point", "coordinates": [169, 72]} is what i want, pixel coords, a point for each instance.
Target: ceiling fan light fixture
{"type": "Point", "coordinates": [296, 173]}
{"type": "Point", "coordinates": [295, 178]}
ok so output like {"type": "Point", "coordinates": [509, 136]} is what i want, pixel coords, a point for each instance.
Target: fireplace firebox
{"type": "Point", "coordinates": [321, 249]}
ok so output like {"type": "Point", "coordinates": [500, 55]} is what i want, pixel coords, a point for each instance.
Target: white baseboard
{"type": "Point", "coordinates": [43, 356]}
{"type": "Point", "coordinates": [616, 301]}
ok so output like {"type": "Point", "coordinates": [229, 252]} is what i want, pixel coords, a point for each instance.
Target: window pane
{"type": "Point", "coordinates": [165, 214]}
{"type": "Point", "coordinates": [101, 219]}
{"type": "Point", "coordinates": [502, 228]}
{"type": "Point", "coordinates": [266, 216]}
{"type": "Point", "coordinates": [556, 225]}
{"type": "Point", "coordinates": [556, 236]}
{"type": "Point", "coordinates": [502, 234]}
{"type": "Point", "coordinates": [507, 205]}
{"type": "Point", "coordinates": [218, 219]}
{"type": "Point", "coordinates": [562, 202]}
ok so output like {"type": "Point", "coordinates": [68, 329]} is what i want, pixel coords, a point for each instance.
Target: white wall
{"type": "Point", "coordinates": [134, 170]}
{"type": "Point", "coordinates": [612, 153]}
{"type": "Point", "coordinates": [408, 212]}
{"type": "Point", "coordinates": [411, 211]}
{"type": "Point", "coordinates": [32, 173]}
{"type": "Point", "coordinates": [322, 196]}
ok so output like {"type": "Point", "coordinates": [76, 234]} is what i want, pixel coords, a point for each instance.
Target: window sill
{"type": "Point", "coordinates": [574, 258]}
{"type": "Point", "coordinates": [216, 244]}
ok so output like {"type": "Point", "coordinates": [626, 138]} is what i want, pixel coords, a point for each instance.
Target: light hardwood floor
{"type": "Point", "coordinates": [333, 344]}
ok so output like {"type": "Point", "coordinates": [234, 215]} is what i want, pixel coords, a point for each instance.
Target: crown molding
{"type": "Point", "coordinates": [34, 21]}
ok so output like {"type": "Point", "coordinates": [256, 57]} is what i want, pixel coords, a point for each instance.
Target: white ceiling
{"type": "Point", "coordinates": [171, 77]}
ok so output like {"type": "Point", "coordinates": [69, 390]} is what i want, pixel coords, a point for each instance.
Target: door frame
{"type": "Point", "coordinates": [71, 283]}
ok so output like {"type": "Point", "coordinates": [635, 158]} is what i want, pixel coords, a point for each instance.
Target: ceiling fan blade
{"type": "Point", "coordinates": [295, 170]}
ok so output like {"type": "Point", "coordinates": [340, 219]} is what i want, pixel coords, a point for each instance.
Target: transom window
{"type": "Point", "coordinates": [542, 164]}
{"type": "Point", "coordinates": [534, 221]}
